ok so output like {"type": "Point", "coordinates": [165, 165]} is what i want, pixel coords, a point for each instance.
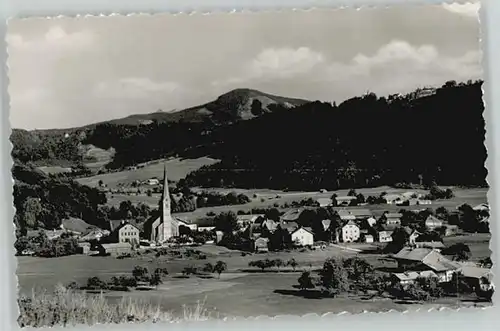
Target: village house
{"type": "Point", "coordinates": [371, 221]}
{"type": "Point", "coordinates": [115, 249]}
{"type": "Point", "coordinates": [350, 232]}
{"type": "Point", "coordinates": [324, 202]}
{"type": "Point", "coordinates": [261, 245]}
{"type": "Point", "coordinates": [477, 277]}
{"type": "Point", "coordinates": [451, 230]}
{"type": "Point", "coordinates": [95, 234]}
{"type": "Point", "coordinates": [153, 181]}
{"type": "Point", "coordinates": [393, 218]}
{"type": "Point", "coordinates": [432, 223]}
{"type": "Point", "coordinates": [385, 236]}
{"type": "Point", "coordinates": [437, 245]}
{"type": "Point", "coordinates": [392, 199]}
{"type": "Point", "coordinates": [413, 235]}
{"type": "Point", "coordinates": [344, 200]}
{"type": "Point", "coordinates": [125, 233]}
{"type": "Point", "coordinates": [368, 238]}
{"type": "Point", "coordinates": [421, 259]}
{"type": "Point", "coordinates": [269, 225]}
{"type": "Point", "coordinates": [84, 248]}
{"type": "Point", "coordinates": [482, 207]}
{"type": "Point", "coordinates": [409, 277]}
{"type": "Point", "coordinates": [245, 220]}
{"type": "Point", "coordinates": [291, 215]}
{"type": "Point", "coordinates": [303, 236]}
{"type": "Point", "coordinates": [205, 224]}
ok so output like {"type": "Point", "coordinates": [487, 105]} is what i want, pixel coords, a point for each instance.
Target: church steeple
{"type": "Point", "coordinates": [165, 205]}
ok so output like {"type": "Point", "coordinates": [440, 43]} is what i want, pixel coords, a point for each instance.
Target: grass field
{"type": "Point", "coordinates": [239, 292]}
{"type": "Point", "coordinates": [177, 169]}
{"type": "Point", "coordinates": [268, 198]}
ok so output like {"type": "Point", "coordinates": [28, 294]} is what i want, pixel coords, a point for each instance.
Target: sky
{"type": "Point", "coordinates": [68, 72]}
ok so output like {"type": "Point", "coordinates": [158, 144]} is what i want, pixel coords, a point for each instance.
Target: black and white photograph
{"type": "Point", "coordinates": [190, 167]}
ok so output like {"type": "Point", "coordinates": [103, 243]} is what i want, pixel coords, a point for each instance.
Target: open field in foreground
{"type": "Point", "coordinates": [239, 292]}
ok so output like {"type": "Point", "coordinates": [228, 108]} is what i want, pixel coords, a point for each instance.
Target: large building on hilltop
{"type": "Point", "coordinates": [163, 227]}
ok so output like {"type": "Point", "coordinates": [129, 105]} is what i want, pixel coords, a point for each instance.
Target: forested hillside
{"type": "Point", "coordinates": [365, 141]}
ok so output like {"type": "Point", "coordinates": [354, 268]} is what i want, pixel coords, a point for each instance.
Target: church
{"type": "Point", "coordinates": [163, 227]}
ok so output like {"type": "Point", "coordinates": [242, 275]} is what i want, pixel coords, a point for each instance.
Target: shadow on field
{"type": "Point", "coordinates": [307, 294]}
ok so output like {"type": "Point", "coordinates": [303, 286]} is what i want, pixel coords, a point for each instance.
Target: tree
{"type": "Point", "coordinates": [305, 280]}
{"type": "Point", "coordinates": [219, 267]}
{"type": "Point", "coordinates": [30, 211]}
{"type": "Point", "coordinates": [139, 272]}
{"type": "Point", "coordinates": [278, 263]}
{"type": "Point", "coordinates": [155, 279]}
{"type": "Point", "coordinates": [334, 278]}
{"type": "Point", "coordinates": [292, 263]}
{"type": "Point", "coordinates": [226, 222]}
{"type": "Point", "coordinates": [209, 267]}
{"type": "Point", "coordinates": [459, 251]}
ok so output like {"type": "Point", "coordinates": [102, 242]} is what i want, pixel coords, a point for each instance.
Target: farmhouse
{"type": "Point", "coordinates": [115, 249]}
{"type": "Point", "coordinates": [421, 259]}
{"type": "Point", "coordinates": [437, 245]}
{"type": "Point", "coordinates": [371, 221]}
{"type": "Point", "coordinates": [482, 207]}
{"type": "Point", "coordinates": [324, 202]}
{"type": "Point", "coordinates": [269, 225]}
{"type": "Point", "coordinates": [477, 277]}
{"type": "Point", "coordinates": [205, 224]}
{"type": "Point", "coordinates": [91, 235]}
{"type": "Point", "coordinates": [451, 230]}
{"type": "Point", "coordinates": [244, 220]}
{"type": "Point", "coordinates": [392, 199]}
{"type": "Point", "coordinates": [84, 248]}
{"type": "Point", "coordinates": [345, 200]}
{"type": "Point", "coordinates": [303, 236]}
{"type": "Point", "coordinates": [350, 232]}
{"type": "Point", "coordinates": [292, 215]}
{"type": "Point", "coordinates": [432, 223]}
{"type": "Point", "coordinates": [409, 277]}
{"type": "Point", "coordinates": [393, 218]}
{"type": "Point", "coordinates": [261, 245]}
{"type": "Point", "coordinates": [76, 225]}
{"type": "Point", "coordinates": [153, 181]}
{"type": "Point", "coordinates": [413, 235]}
{"type": "Point", "coordinates": [368, 238]}
{"type": "Point", "coordinates": [355, 213]}
{"type": "Point", "coordinates": [385, 236]}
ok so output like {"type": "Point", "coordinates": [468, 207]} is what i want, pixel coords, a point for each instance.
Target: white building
{"type": "Point", "coordinates": [350, 232]}
{"type": "Point", "coordinates": [385, 236]}
{"type": "Point", "coordinates": [303, 237]}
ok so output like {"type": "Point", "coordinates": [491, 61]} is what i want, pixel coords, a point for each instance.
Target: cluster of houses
{"type": "Point", "coordinates": [420, 262]}
{"type": "Point", "coordinates": [400, 199]}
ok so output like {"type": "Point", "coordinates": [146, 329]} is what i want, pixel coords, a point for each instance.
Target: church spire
{"type": "Point", "coordinates": [166, 194]}
{"type": "Point", "coordinates": [165, 206]}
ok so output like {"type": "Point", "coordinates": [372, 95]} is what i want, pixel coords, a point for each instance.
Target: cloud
{"type": "Point", "coordinates": [284, 62]}
{"type": "Point", "coordinates": [396, 67]}
{"type": "Point", "coordinates": [134, 88]}
{"type": "Point", "coordinates": [276, 63]}
{"type": "Point", "coordinates": [54, 40]}
{"type": "Point", "coordinates": [469, 9]}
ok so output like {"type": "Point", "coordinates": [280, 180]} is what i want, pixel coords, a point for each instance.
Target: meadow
{"type": "Point", "coordinates": [241, 291]}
